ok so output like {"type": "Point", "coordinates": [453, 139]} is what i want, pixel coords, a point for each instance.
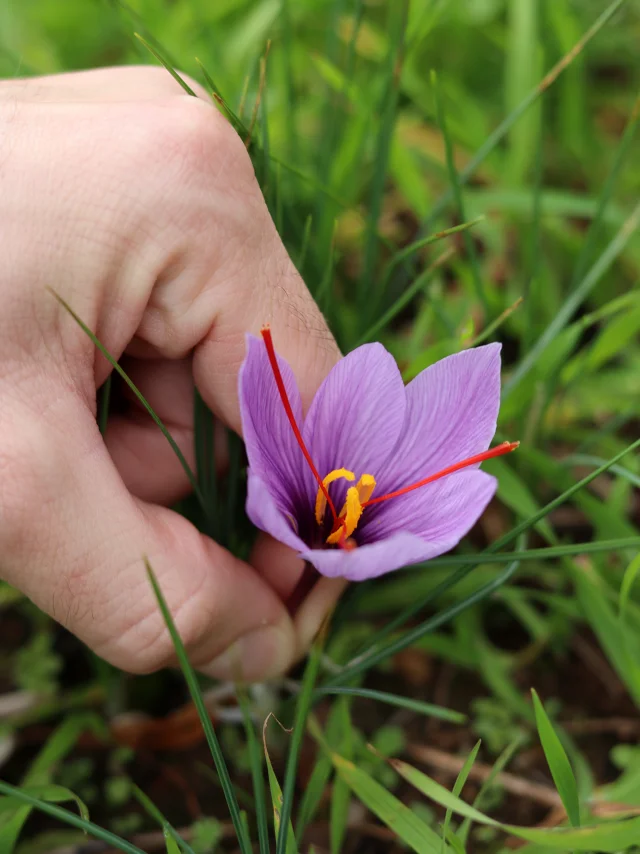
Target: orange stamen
{"type": "Point", "coordinates": [498, 451]}
{"type": "Point", "coordinates": [271, 353]}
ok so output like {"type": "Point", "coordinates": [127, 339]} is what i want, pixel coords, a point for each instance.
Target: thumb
{"type": "Point", "coordinates": [277, 296]}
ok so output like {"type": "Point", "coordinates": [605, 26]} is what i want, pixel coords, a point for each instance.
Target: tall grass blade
{"type": "Point", "coordinates": [114, 364]}
{"type": "Point", "coordinates": [558, 762]}
{"type": "Point", "coordinates": [205, 719]}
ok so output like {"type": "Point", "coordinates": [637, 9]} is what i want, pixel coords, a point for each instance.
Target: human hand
{"type": "Point", "coordinates": [138, 205]}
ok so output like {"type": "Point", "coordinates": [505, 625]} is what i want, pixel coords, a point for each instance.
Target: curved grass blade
{"type": "Point", "coordinates": [591, 460]}
{"type": "Point", "coordinates": [427, 709]}
{"type": "Point", "coordinates": [340, 794]}
{"type": "Point", "coordinates": [368, 660]}
{"type": "Point", "coordinates": [548, 553]}
{"type": "Point", "coordinates": [255, 759]}
{"type": "Point", "coordinates": [70, 818]}
{"type": "Point", "coordinates": [558, 762]}
{"type": "Point", "coordinates": [114, 364]}
{"type": "Point", "coordinates": [408, 294]}
{"type": "Point", "coordinates": [174, 842]}
{"type": "Point", "coordinates": [411, 829]}
{"type": "Point", "coordinates": [276, 799]}
{"type": "Point", "coordinates": [458, 786]}
{"type": "Point", "coordinates": [154, 52]}
{"type": "Point", "coordinates": [205, 720]}
{"type": "Point", "coordinates": [608, 837]}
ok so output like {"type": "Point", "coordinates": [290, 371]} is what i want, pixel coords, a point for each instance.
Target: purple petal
{"type": "Point", "coordinates": [440, 513]}
{"type": "Point", "coordinates": [265, 513]}
{"type": "Point", "coordinates": [274, 454]}
{"type": "Point", "coordinates": [370, 561]}
{"type": "Point", "coordinates": [357, 414]}
{"type": "Point", "coordinates": [452, 410]}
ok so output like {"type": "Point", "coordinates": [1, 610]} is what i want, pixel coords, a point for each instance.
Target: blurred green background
{"type": "Point", "coordinates": [374, 125]}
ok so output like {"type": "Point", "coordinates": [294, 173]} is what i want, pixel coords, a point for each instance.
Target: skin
{"type": "Point", "coordinates": [138, 205]}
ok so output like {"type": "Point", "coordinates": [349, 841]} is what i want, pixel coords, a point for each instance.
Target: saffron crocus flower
{"type": "Point", "coordinates": [378, 475]}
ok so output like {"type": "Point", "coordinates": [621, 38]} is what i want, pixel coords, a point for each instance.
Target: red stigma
{"type": "Point", "coordinates": [498, 451]}
{"type": "Point", "coordinates": [273, 361]}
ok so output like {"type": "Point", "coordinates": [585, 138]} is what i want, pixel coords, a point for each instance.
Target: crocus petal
{"type": "Point", "coordinates": [452, 410]}
{"type": "Point", "coordinates": [357, 414]}
{"type": "Point", "coordinates": [273, 452]}
{"type": "Point", "coordinates": [440, 513]}
{"type": "Point", "coordinates": [265, 513]}
{"type": "Point", "coordinates": [370, 561]}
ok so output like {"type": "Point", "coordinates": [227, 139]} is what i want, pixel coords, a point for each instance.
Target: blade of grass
{"type": "Point", "coordinates": [255, 760]}
{"type": "Point", "coordinates": [411, 829]}
{"type": "Point", "coordinates": [276, 799]}
{"type": "Point", "coordinates": [498, 766]}
{"type": "Point", "coordinates": [458, 786]}
{"type": "Point", "coordinates": [172, 836]}
{"type": "Point", "coordinates": [427, 709]}
{"type": "Point", "coordinates": [548, 553]}
{"type": "Point", "coordinates": [303, 706]}
{"type": "Point", "coordinates": [405, 253]}
{"type": "Point", "coordinates": [456, 189]}
{"type": "Point", "coordinates": [409, 293]}
{"type": "Point", "coordinates": [237, 123]}
{"type": "Point", "coordinates": [71, 819]}
{"type": "Point", "coordinates": [558, 762]}
{"type": "Point", "coordinates": [156, 53]}
{"type": "Point", "coordinates": [114, 364]}
{"type": "Point", "coordinates": [340, 794]}
{"type": "Point", "coordinates": [205, 720]}
{"type": "Point", "coordinates": [368, 660]}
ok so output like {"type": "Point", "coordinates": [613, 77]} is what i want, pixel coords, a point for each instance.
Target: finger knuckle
{"type": "Point", "coordinates": [189, 139]}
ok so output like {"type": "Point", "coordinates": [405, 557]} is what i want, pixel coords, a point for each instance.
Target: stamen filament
{"type": "Point", "coordinates": [498, 451]}
{"type": "Point", "coordinates": [271, 353]}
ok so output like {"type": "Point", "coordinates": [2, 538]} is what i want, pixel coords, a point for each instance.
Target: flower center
{"type": "Point", "coordinates": [349, 516]}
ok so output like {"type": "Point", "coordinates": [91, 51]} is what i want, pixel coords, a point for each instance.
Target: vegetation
{"type": "Point", "coordinates": [442, 173]}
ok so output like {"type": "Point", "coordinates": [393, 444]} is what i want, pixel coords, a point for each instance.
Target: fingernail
{"type": "Point", "coordinates": [256, 657]}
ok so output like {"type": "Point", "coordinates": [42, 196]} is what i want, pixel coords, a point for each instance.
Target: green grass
{"type": "Point", "coordinates": [504, 132]}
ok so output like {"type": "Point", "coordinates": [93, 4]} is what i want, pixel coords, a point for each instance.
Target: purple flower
{"type": "Point", "coordinates": [372, 443]}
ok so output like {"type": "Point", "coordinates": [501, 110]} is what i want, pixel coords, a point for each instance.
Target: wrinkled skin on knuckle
{"type": "Point", "coordinates": [137, 638]}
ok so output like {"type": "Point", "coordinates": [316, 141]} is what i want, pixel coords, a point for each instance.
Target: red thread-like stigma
{"type": "Point", "coordinates": [498, 451]}
{"type": "Point", "coordinates": [273, 361]}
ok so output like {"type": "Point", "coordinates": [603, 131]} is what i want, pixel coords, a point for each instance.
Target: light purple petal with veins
{"type": "Point", "coordinates": [440, 512]}
{"type": "Point", "coordinates": [452, 410]}
{"type": "Point", "coordinates": [374, 559]}
{"type": "Point", "coordinates": [357, 414]}
{"type": "Point", "coordinates": [265, 513]}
